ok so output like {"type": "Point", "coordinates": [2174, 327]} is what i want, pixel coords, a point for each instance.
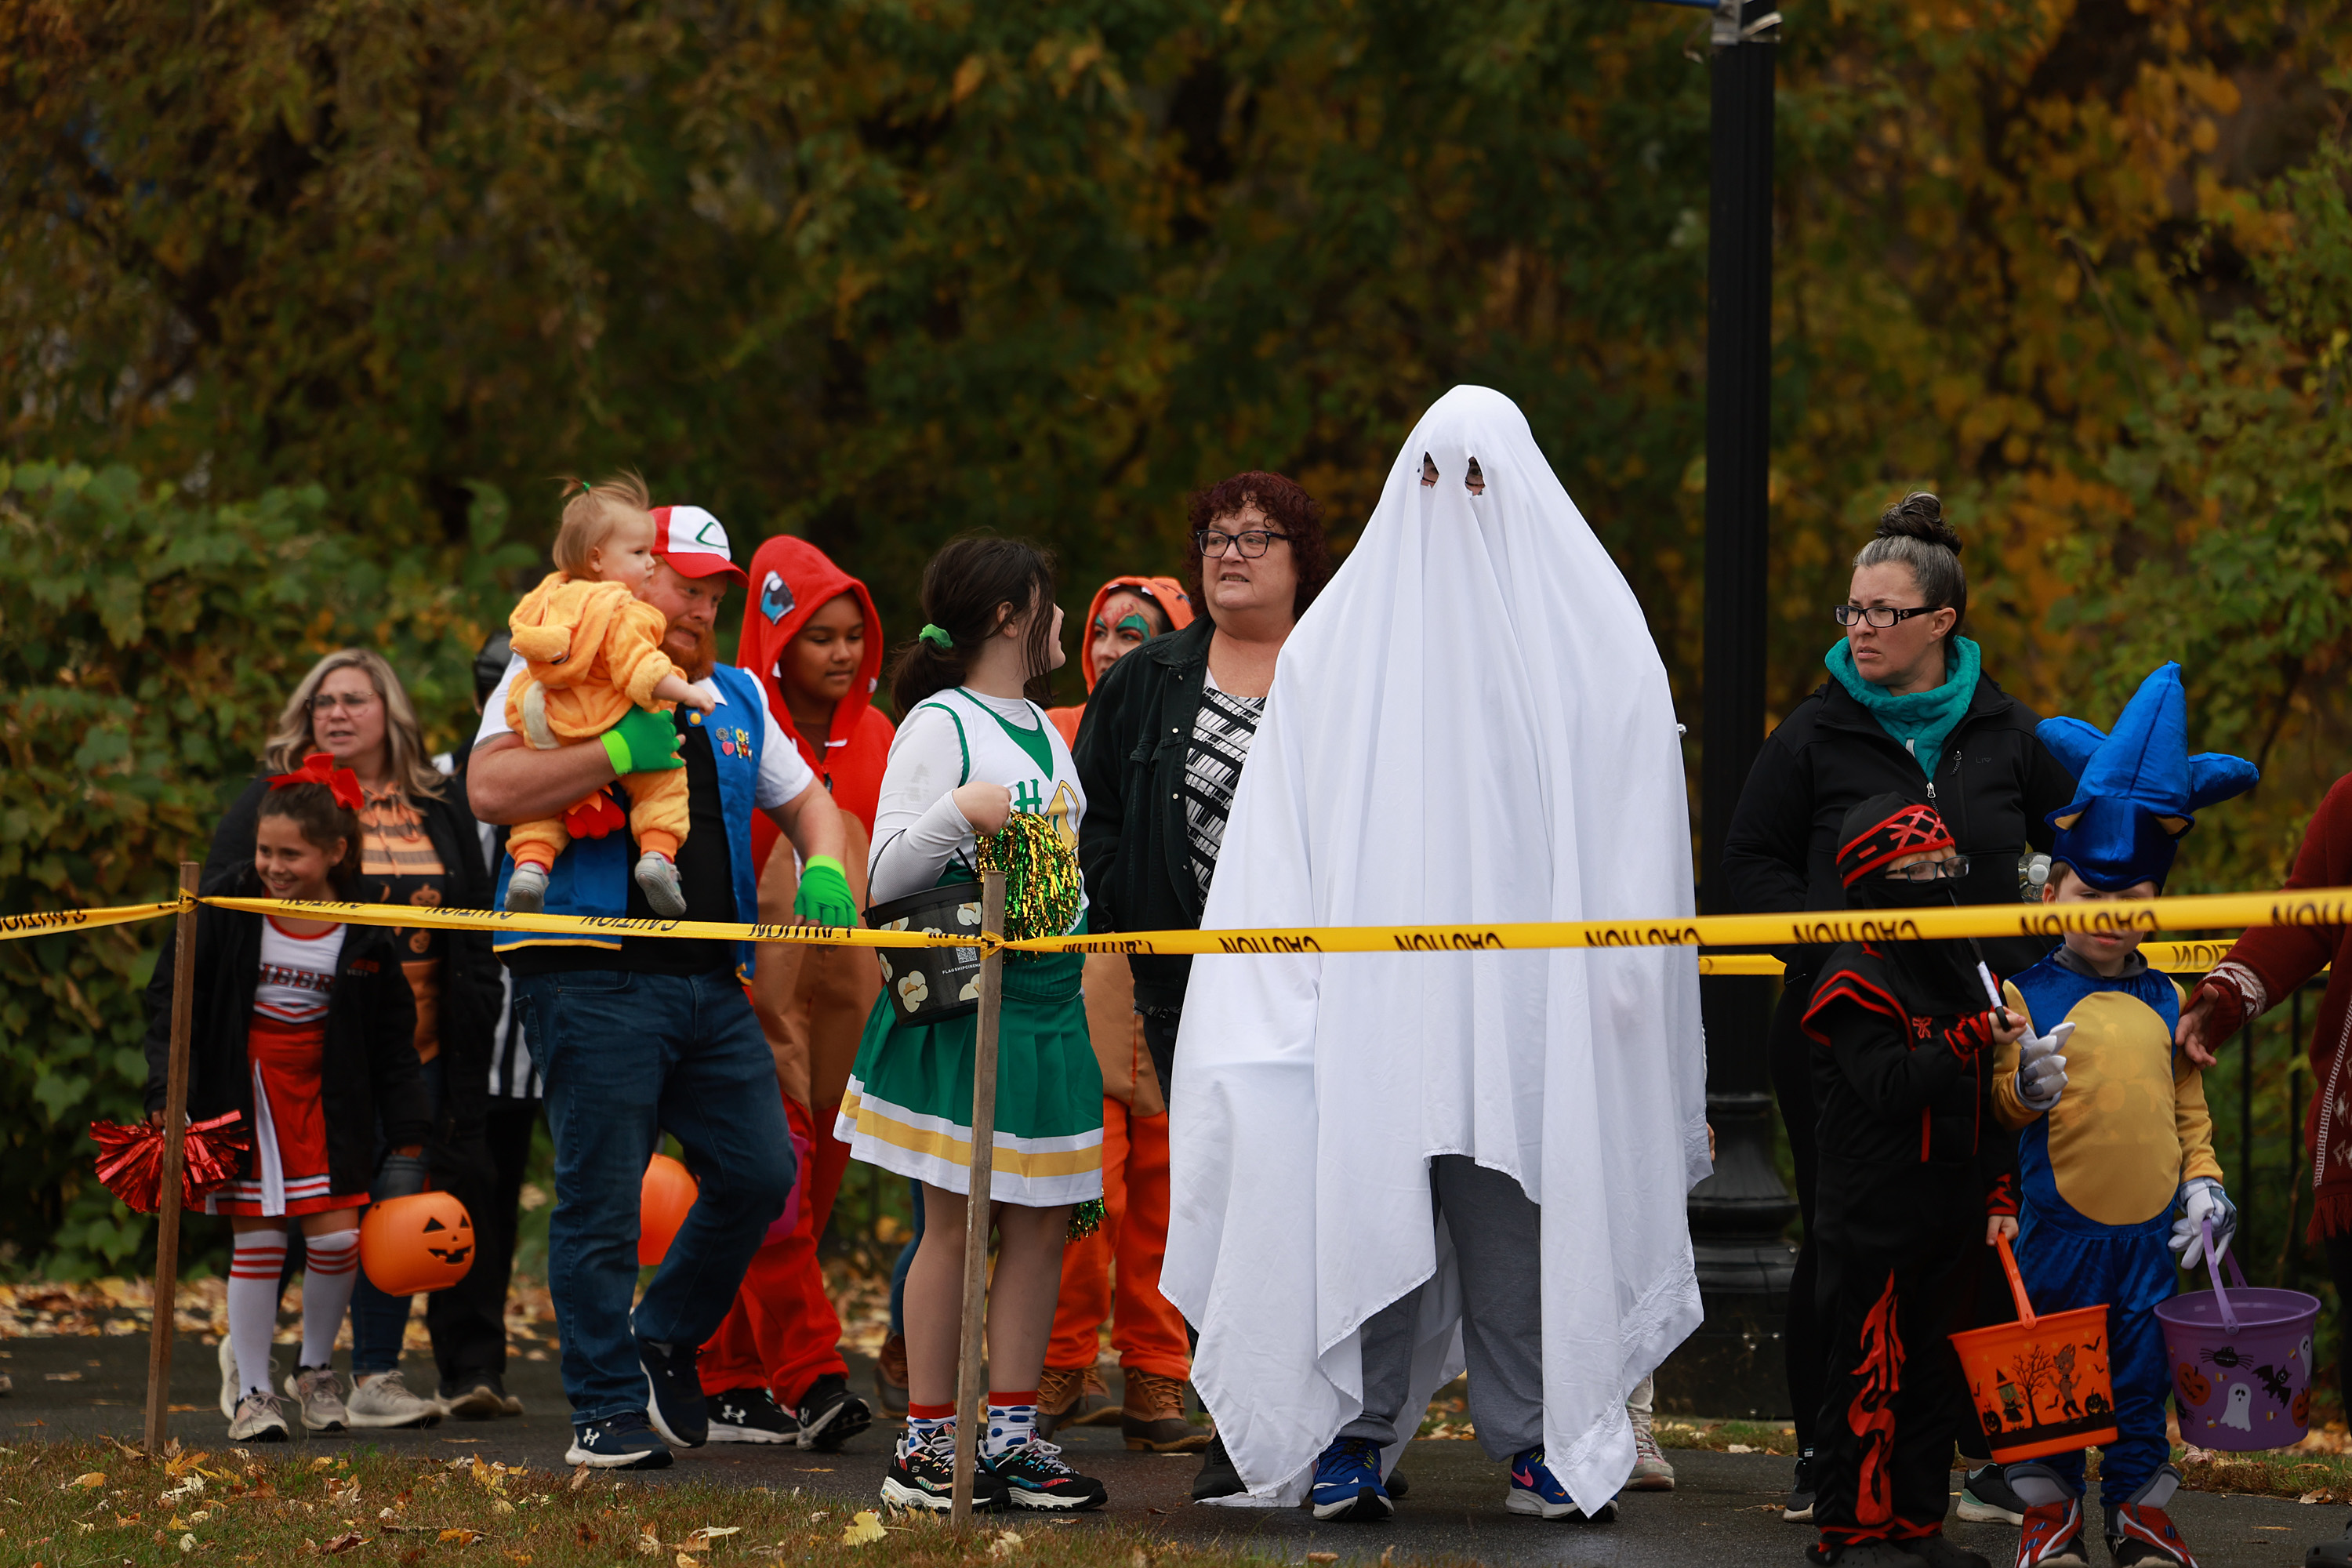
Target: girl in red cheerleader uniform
{"type": "Point", "coordinates": [308, 1028]}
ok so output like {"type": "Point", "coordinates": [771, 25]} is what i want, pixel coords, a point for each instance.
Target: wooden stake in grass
{"type": "Point", "coordinates": [175, 1137]}
{"type": "Point", "coordinates": [971, 1414]}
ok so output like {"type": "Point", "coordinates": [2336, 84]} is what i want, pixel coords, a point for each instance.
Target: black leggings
{"type": "Point", "coordinates": [1790, 1052]}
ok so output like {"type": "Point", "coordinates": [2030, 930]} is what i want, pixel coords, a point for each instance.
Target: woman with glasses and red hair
{"type": "Point", "coordinates": [1166, 733]}
{"type": "Point", "coordinates": [1908, 711]}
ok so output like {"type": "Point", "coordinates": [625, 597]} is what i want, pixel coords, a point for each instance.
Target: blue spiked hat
{"type": "Point", "coordinates": [2136, 788]}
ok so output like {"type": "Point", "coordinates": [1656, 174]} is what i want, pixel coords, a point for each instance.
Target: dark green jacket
{"type": "Point", "coordinates": [1133, 846]}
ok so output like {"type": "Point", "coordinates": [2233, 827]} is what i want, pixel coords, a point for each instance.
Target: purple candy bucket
{"type": "Point", "coordinates": [2241, 1361]}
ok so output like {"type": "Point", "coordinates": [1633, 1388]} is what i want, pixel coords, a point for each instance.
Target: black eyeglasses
{"type": "Point", "coordinates": [1879, 615]}
{"type": "Point", "coordinates": [1950, 870]}
{"type": "Point", "coordinates": [1250, 542]}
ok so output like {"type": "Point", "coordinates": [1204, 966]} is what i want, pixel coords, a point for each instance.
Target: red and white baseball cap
{"type": "Point", "coordinates": [694, 543]}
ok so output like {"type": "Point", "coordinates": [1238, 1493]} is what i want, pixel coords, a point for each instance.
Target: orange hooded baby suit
{"type": "Point", "coordinates": [593, 651]}
{"type": "Point", "coordinates": [1122, 1256]}
{"type": "Point", "coordinates": [783, 1331]}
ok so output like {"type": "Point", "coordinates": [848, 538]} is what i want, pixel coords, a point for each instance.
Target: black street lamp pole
{"type": "Point", "coordinates": [1733, 1365]}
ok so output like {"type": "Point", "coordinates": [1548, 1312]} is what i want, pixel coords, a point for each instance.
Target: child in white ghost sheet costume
{"type": "Point", "coordinates": [1383, 1164]}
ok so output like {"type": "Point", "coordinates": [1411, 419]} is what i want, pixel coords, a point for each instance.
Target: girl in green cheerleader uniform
{"type": "Point", "coordinates": [973, 748]}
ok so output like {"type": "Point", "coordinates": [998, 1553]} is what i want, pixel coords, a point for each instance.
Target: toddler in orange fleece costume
{"type": "Point", "coordinates": [593, 651]}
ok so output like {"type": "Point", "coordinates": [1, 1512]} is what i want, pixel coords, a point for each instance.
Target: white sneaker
{"type": "Point", "coordinates": [1652, 1472]}
{"type": "Point", "coordinates": [318, 1394]}
{"type": "Point", "coordinates": [383, 1399]}
{"type": "Point", "coordinates": [657, 874]}
{"type": "Point", "coordinates": [228, 1389]}
{"type": "Point", "coordinates": [258, 1419]}
{"type": "Point", "coordinates": [525, 890]}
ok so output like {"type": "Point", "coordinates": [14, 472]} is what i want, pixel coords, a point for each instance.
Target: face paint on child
{"type": "Point", "coordinates": [1126, 622]}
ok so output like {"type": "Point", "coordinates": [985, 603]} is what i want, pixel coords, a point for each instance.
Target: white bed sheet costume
{"type": "Point", "coordinates": [1470, 725]}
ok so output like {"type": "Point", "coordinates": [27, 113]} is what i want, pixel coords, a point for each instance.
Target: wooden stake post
{"type": "Point", "coordinates": [972, 1392]}
{"type": "Point", "coordinates": [175, 1137]}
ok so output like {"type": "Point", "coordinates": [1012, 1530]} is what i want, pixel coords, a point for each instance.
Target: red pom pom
{"type": "Point", "coordinates": [130, 1160]}
{"type": "Point", "coordinates": [593, 818]}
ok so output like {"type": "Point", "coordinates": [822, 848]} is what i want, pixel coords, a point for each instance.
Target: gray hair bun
{"type": "Point", "coordinates": [1920, 516]}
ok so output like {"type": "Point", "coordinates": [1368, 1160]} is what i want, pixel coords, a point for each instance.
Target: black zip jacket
{"type": "Point", "coordinates": [1133, 846]}
{"type": "Point", "coordinates": [370, 1065]}
{"type": "Point", "coordinates": [473, 988]}
{"type": "Point", "coordinates": [1898, 1086]}
{"type": "Point", "coordinates": [1994, 787]}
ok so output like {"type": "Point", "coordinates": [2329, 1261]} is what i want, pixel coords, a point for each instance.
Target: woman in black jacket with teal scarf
{"type": "Point", "coordinates": [1908, 711]}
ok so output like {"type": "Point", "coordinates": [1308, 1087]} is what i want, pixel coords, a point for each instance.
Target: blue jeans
{"type": "Point", "coordinates": [627, 1058]}
{"type": "Point", "coordinates": [379, 1321]}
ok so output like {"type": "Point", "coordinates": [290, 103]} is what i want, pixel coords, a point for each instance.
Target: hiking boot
{"type": "Point", "coordinates": [1535, 1490]}
{"type": "Point", "coordinates": [1986, 1498]}
{"type": "Point", "coordinates": [1036, 1476]}
{"type": "Point", "coordinates": [2053, 1537]}
{"type": "Point", "coordinates": [258, 1419]}
{"type": "Point", "coordinates": [674, 1401]}
{"type": "Point", "coordinates": [751, 1415]}
{"type": "Point", "coordinates": [526, 891]}
{"type": "Point", "coordinates": [1938, 1552]}
{"type": "Point", "coordinates": [1152, 1418]}
{"type": "Point", "coordinates": [890, 1377]}
{"type": "Point", "coordinates": [658, 875]}
{"type": "Point", "coordinates": [1217, 1477]}
{"type": "Point", "coordinates": [622, 1442]}
{"type": "Point", "coordinates": [922, 1475]}
{"type": "Point", "coordinates": [318, 1394]}
{"type": "Point", "coordinates": [383, 1399]}
{"type": "Point", "coordinates": [1799, 1508]}
{"type": "Point", "coordinates": [1652, 1470]}
{"type": "Point", "coordinates": [1070, 1396]}
{"type": "Point", "coordinates": [830, 1415]}
{"type": "Point", "coordinates": [1348, 1482]}
{"type": "Point", "coordinates": [478, 1397]}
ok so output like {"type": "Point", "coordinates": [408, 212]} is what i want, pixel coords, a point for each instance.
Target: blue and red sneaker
{"type": "Point", "coordinates": [1348, 1482]}
{"type": "Point", "coordinates": [1535, 1490]}
{"type": "Point", "coordinates": [2051, 1537]}
{"type": "Point", "coordinates": [2143, 1537]}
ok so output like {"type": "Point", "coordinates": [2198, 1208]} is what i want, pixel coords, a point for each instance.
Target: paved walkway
{"type": "Point", "coordinates": [1725, 1511]}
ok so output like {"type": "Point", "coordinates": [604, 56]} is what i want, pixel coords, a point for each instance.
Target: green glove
{"type": "Point", "coordinates": [643, 742]}
{"type": "Point", "coordinates": [824, 898]}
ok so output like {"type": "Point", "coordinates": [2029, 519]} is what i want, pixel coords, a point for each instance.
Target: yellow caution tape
{"type": "Point", "coordinates": [2329, 906]}
{"type": "Point", "coordinates": [588, 925]}
{"type": "Point", "coordinates": [2166, 957]}
{"type": "Point", "coordinates": [51, 922]}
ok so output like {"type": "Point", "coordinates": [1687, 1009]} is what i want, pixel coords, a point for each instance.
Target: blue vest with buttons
{"type": "Point", "coordinates": [592, 877]}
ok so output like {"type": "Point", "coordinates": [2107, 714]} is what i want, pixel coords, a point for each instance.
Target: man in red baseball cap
{"type": "Point", "coordinates": [641, 1035]}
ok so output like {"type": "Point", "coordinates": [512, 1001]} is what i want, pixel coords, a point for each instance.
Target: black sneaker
{"type": "Point", "coordinates": [1398, 1487]}
{"type": "Point", "coordinates": [1036, 1476]}
{"type": "Point", "coordinates": [1985, 1498]}
{"type": "Point", "coordinates": [830, 1415]}
{"type": "Point", "coordinates": [478, 1396]}
{"type": "Point", "coordinates": [674, 1400]}
{"type": "Point", "coordinates": [923, 1475]}
{"type": "Point", "coordinates": [751, 1415]}
{"type": "Point", "coordinates": [622, 1442]}
{"type": "Point", "coordinates": [1217, 1478]}
{"type": "Point", "coordinates": [1798, 1510]}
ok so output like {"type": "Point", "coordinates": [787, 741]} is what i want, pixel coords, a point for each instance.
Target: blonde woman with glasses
{"type": "Point", "coordinates": [419, 846]}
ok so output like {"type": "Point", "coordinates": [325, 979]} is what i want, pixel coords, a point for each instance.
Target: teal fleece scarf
{"type": "Point", "coordinates": [1921, 720]}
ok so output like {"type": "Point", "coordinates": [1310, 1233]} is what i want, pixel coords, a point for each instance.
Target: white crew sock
{"type": "Point", "coordinates": [328, 1281]}
{"type": "Point", "coordinates": [253, 1269]}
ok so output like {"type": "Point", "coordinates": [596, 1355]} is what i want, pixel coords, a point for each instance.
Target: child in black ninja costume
{"type": "Point", "coordinates": [1914, 1172]}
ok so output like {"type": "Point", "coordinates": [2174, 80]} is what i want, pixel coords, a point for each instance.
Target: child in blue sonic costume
{"type": "Point", "coordinates": [2103, 1169]}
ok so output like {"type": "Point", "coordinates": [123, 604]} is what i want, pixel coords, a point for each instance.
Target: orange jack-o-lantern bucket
{"type": "Point", "coordinates": [2040, 1383]}
{"type": "Point", "coordinates": [668, 1192]}
{"type": "Point", "coordinates": [423, 1242]}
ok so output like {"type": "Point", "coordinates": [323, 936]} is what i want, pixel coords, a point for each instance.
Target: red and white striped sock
{"type": "Point", "coordinates": [253, 1269]}
{"type": "Point", "coordinates": [328, 1281]}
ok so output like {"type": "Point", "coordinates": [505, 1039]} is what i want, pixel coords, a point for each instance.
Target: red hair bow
{"type": "Point", "coordinates": [319, 768]}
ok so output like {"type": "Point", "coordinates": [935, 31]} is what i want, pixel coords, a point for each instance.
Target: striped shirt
{"type": "Point", "coordinates": [398, 865]}
{"type": "Point", "coordinates": [1223, 730]}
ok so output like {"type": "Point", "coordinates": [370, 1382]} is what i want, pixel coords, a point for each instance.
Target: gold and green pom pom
{"type": "Point", "coordinates": [1086, 1218]}
{"type": "Point", "coordinates": [1042, 885]}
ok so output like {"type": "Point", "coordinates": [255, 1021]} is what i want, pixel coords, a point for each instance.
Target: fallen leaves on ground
{"type": "Point", "coordinates": [864, 1529]}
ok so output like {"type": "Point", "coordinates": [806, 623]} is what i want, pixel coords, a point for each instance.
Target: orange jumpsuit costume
{"type": "Point", "coordinates": [593, 651]}
{"type": "Point", "coordinates": [1122, 1256]}
{"type": "Point", "coordinates": [782, 1330]}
